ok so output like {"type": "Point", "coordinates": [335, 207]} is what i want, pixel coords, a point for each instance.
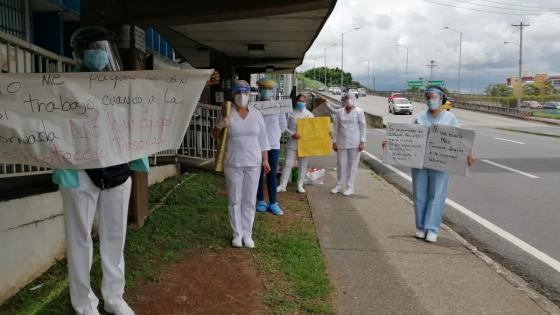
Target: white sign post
{"type": "Point", "coordinates": [95, 119]}
{"type": "Point", "coordinates": [406, 145]}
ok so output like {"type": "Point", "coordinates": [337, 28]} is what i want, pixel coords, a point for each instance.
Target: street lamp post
{"type": "Point", "coordinates": [326, 62]}
{"type": "Point", "coordinates": [342, 58]}
{"type": "Point", "coordinates": [406, 68]}
{"type": "Point", "coordinates": [460, 52]}
{"type": "Point", "coordinates": [368, 80]}
{"type": "Point", "coordinates": [395, 75]}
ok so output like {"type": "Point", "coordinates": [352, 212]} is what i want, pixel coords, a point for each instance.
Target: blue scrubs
{"type": "Point", "coordinates": [429, 187]}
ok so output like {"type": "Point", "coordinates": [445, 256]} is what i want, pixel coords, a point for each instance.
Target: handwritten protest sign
{"type": "Point", "coordinates": [273, 107]}
{"type": "Point", "coordinates": [315, 136]}
{"type": "Point", "coordinates": [406, 145]}
{"type": "Point", "coordinates": [438, 147]}
{"type": "Point", "coordinates": [97, 119]}
{"type": "Point", "coordinates": [447, 149]}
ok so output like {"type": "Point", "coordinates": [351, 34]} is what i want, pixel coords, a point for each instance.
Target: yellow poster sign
{"type": "Point", "coordinates": [315, 136]}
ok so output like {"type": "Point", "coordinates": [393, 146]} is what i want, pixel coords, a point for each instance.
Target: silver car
{"type": "Point", "coordinates": [400, 105]}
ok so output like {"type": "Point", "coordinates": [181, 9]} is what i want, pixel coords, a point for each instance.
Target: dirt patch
{"type": "Point", "coordinates": [217, 282]}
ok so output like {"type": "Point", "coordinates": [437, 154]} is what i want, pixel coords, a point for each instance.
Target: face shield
{"type": "Point", "coordinates": [348, 99]}
{"type": "Point", "coordinates": [241, 91]}
{"type": "Point", "coordinates": [94, 49]}
{"type": "Point", "coordinates": [433, 98]}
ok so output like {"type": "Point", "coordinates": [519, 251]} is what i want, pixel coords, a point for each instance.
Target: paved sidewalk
{"type": "Point", "coordinates": [378, 267]}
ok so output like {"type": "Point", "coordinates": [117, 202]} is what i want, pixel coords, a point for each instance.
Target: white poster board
{"type": "Point", "coordinates": [95, 119]}
{"type": "Point", "coordinates": [447, 149]}
{"type": "Point", "coordinates": [438, 147]}
{"type": "Point", "coordinates": [406, 145]}
{"type": "Point", "coordinates": [273, 107]}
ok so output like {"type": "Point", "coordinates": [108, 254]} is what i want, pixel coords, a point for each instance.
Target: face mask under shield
{"type": "Point", "coordinates": [101, 55]}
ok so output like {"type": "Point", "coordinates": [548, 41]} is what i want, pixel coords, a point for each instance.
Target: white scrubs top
{"type": "Point", "coordinates": [349, 129]}
{"type": "Point", "coordinates": [292, 126]}
{"type": "Point", "coordinates": [246, 139]}
{"type": "Point", "coordinates": [275, 126]}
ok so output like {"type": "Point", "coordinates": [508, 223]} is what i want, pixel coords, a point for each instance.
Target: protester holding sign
{"type": "Point", "coordinates": [83, 191]}
{"type": "Point", "coordinates": [246, 153]}
{"type": "Point", "coordinates": [429, 187]}
{"type": "Point", "coordinates": [275, 126]}
{"type": "Point", "coordinates": [349, 138]}
{"type": "Point", "coordinates": [300, 111]}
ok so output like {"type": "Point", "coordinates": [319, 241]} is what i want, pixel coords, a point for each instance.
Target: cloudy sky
{"type": "Point", "coordinates": [419, 25]}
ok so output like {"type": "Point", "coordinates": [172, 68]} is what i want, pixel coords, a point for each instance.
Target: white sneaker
{"type": "Point", "coordinates": [236, 242]}
{"type": "Point", "coordinates": [300, 189]}
{"type": "Point", "coordinates": [348, 192]}
{"type": "Point", "coordinates": [431, 237]}
{"type": "Point", "coordinates": [119, 309]}
{"type": "Point", "coordinates": [420, 234]}
{"type": "Point", "coordinates": [89, 311]}
{"type": "Point", "coordinates": [249, 243]}
{"type": "Point", "coordinates": [335, 190]}
{"type": "Point", "coordinates": [281, 189]}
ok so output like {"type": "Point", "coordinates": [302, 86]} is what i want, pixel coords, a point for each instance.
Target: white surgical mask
{"type": "Point", "coordinates": [241, 100]}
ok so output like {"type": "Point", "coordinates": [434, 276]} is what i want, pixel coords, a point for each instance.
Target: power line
{"type": "Point", "coordinates": [508, 8]}
{"type": "Point", "coordinates": [480, 10]}
{"type": "Point", "coordinates": [517, 5]}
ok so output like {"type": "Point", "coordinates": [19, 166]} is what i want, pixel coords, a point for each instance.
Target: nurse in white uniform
{"type": "Point", "coordinates": [349, 139]}
{"type": "Point", "coordinates": [291, 147]}
{"type": "Point", "coordinates": [246, 153]}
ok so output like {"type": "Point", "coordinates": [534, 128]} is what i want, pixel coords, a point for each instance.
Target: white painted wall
{"type": "Point", "coordinates": [32, 235]}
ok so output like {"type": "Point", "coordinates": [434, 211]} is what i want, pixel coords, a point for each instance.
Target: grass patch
{"type": "Point", "coordinates": [194, 215]}
{"type": "Point", "coordinates": [547, 114]}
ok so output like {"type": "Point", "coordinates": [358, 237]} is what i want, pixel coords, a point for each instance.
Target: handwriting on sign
{"type": "Point", "coordinates": [273, 107]}
{"type": "Point", "coordinates": [88, 120]}
{"type": "Point", "coordinates": [406, 145]}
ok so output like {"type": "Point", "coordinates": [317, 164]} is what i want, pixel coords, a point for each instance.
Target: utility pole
{"type": "Point", "coordinates": [342, 58]}
{"type": "Point", "coordinates": [432, 65]}
{"type": "Point", "coordinates": [521, 26]}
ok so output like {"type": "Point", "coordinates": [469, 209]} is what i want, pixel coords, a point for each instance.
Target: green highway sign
{"type": "Point", "coordinates": [415, 83]}
{"type": "Point", "coordinates": [436, 83]}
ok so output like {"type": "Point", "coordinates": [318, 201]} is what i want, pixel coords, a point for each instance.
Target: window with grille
{"type": "Point", "coordinates": [12, 17]}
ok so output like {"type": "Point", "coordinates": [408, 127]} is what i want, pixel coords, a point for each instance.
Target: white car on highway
{"type": "Point", "coordinates": [400, 105]}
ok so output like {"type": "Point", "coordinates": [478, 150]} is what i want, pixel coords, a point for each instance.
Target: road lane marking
{"type": "Point", "coordinates": [510, 169]}
{"type": "Point", "coordinates": [524, 246]}
{"type": "Point", "coordinates": [503, 139]}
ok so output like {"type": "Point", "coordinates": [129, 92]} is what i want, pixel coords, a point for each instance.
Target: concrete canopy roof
{"type": "Point", "coordinates": [198, 29]}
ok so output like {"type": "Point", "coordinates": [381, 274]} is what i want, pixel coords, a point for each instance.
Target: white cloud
{"type": "Point", "coordinates": [419, 25]}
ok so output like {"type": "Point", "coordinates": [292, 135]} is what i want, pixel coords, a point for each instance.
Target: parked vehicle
{"type": "Point", "coordinates": [530, 104]}
{"type": "Point", "coordinates": [331, 89]}
{"type": "Point", "coordinates": [400, 105]}
{"type": "Point", "coordinates": [362, 91]}
{"type": "Point", "coordinates": [395, 94]}
{"type": "Point", "coordinates": [551, 105]}
{"type": "Point", "coordinates": [336, 91]}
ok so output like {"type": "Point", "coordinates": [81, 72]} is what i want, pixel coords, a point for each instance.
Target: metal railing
{"type": "Point", "coordinates": [198, 141]}
{"type": "Point", "coordinates": [19, 56]}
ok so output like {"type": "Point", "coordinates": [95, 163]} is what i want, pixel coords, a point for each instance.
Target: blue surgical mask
{"type": "Point", "coordinates": [95, 59]}
{"type": "Point", "coordinates": [300, 105]}
{"type": "Point", "coordinates": [434, 103]}
{"type": "Point", "coordinates": [266, 94]}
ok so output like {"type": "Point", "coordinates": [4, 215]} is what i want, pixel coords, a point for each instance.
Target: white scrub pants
{"type": "Point", "coordinates": [346, 167]}
{"type": "Point", "coordinates": [291, 156]}
{"type": "Point", "coordinates": [242, 184]}
{"type": "Point", "coordinates": [80, 205]}
{"type": "Point", "coordinates": [429, 190]}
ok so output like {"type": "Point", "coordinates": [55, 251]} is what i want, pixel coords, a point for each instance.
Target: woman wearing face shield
{"type": "Point", "coordinates": [105, 189]}
{"type": "Point", "coordinates": [246, 153]}
{"type": "Point", "coordinates": [429, 187]}
{"type": "Point", "coordinates": [291, 153]}
{"type": "Point", "coordinates": [349, 139]}
{"type": "Point", "coordinates": [275, 126]}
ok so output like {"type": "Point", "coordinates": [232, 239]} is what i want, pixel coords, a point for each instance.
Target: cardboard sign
{"type": "Point", "coordinates": [273, 107]}
{"type": "Point", "coordinates": [95, 119]}
{"type": "Point", "coordinates": [406, 145]}
{"type": "Point", "coordinates": [315, 136]}
{"type": "Point", "coordinates": [438, 147]}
